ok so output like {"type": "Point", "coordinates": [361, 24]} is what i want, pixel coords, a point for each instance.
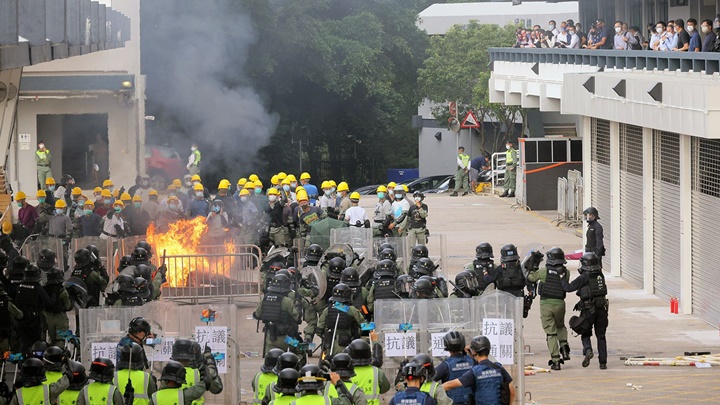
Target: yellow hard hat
{"type": "Point", "coordinates": [355, 196]}
{"type": "Point", "coordinates": [116, 193]}
{"type": "Point", "coordinates": [332, 183]}
{"type": "Point", "coordinates": [224, 184]}
{"type": "Point", "coordinates": [172, 198]}
{"type": "Point", "coordinates": [305, 176]}
{"type": "Point", "coordinates": [381, 189]}
{"type": "Point", "coordinates": [171, 188]}
{"type": "Point", "coordinates": [125, 196]}
{"type": "Point", "coordinates": [40, 194]}
{"type": "Point", "coordinates": [76, 191]}
{"type": "Point", "coordinates": [249, 185]}
{"type": "Point", "coordinates": [49, 181]}
{"type": "Point", "coordinates": [242, 181]}
{"type": "Point", "coordinates": [177, 183]}
{"type": "Point", "coordinates": [291, 177]}
{"type": "Point", "coordinates": [325, 184]}
{"type": "Point", "coordinates": [195, 177]}
{"type": "Point", "coordinates": [343, 186]}
{"type": "Point", "coordinates": [7, 227]}
{"type": "Point", "coordinates": [136, 198]}
{"type": "Point", "coordinates": [405, 187]}
{"type": "Point", "coordinates": [301, 195]}
{"type": "Point", "coordinates": [97, 190]}
{"type": "Point", "coordinates": [107, 183]}
{"type": "Point", "coordinates": [20, 195]}
{"type": "Point", "coordinates": [244, 192]}
{"type": "Point", "coordinates": [153, 193]}
{"type": "Point", "coordinates": [253, 177]}
{"type": "Point", "coordinates": [258, 184]}
{"type": "Point", "coordinates": [106, 193]}
{"type": "Point", "coordinates": [60, 203]}
{"type": "Point", "coordinates": [274, 180]}
{"type": "Point", "coordinates": [273, 191]}
{"type": "Point", "coordinates": [120, 203]}
{"type": "Point", "coordinates": [285, 181]}
{"type": "Point", "coordinates": [281, 175]}
{"type": "Point", "coordinates": [198, 187]}
{"type": "Point", "coordinates": [90, 203]}
{"type": "Point", "coordinates": [391, 185]}
{"type": "Point", "coordinates": [298, 188]}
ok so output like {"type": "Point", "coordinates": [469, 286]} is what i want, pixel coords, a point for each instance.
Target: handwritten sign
{"type": "Point", "coordinates": [437, 344]}
{"type": "Point", "coordinates": [164, 350]}
{"type": "Point", "coordinates": [104, 349]}
{"type": "Point", "coordinates": [501, 333]}
{"type": "Point", "coordinates": [400, 344]}
{"type": "Point", "coordinates": [216, 338]}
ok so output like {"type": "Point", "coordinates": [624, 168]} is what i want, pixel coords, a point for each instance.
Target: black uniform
{"type": "Point", "coordinates": [31, 300]}
{"type": "Point", "coordinates": [595, 239]}
{"type": "Point", "coordinates": [94, 280]}
{"type": "Point", "coordinates": [508, 277]}
{"type": "Point", "coordinates": [592, 290]}
{"type": "Point", "coordinates": [479, 266]}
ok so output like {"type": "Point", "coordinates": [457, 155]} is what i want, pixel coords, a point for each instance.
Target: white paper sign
{"type": "Point", "coordinates": [103, 349]}
{"type": "Point", "coordinates": [24, 138]}
{"type": "Point", "coordinates": [501, 333]}
{"type": "Point", "coordinates": [164, 350]}
{"type": "Point", "coordinates": [216, 338]}
{"type": "Point", "coordinates": [437, 343]}
{"type": "Point", "coordinates": [24, 145]}
{"type": "Point", "coordinates": [401, 344]}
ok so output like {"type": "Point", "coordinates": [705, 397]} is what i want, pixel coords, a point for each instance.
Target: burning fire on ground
{"type": "Point", "coordinates": [208, 264]}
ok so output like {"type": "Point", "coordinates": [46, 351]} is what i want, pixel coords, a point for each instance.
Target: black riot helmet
{"type": "Point", "coordinates": [425, 267]}
{"type": "Point", "coordinates": [415, 371]}
{"type": "Point", "coordinates": [20, 263]}
{"type": "Point", "coordinates": [32, 274]}
{"type": "Point", "coordinates": [313, 253]}
{"type": "Point", "coordinates": [508, 253]}
{"type": "Point", "coordinates": [386, 268]}
{"type": "Point", "coordinates": [94, 251]}
{"type": "Point", "coordinates": [184, 349]}
{"type": "Point", "coordinates": [271, 359]}
{"type": "Point", "coordinates": [54, 358]}
{"type": "Point", "coordinates": [310, 378]}
{"type": "Point", "coordinates": [126, 283]}
{"type": "Point", "coordinates": [388, 254]}
{"type": "Point", "coordinates": [335, 268]}
{"type": "Point", "coordinates": [404, 285]}
{"type": "Point", "coordinates": [480, 345]}
{"type": "Point", "coordinates": [38, 349]}
{"type": "Point", "coordinates": [350, 277]}
{"type": "Point", "coordinates": [359, 350]}
{"type": "Point", "coordinates": [426, 362]}
{"type": "Point", "coordinates": [82, 258]}
{"type": "Point", "coordinates": [125, 261]}
{"type": "Point", "coordinates": [419, 251]}
{"type": "Point", "coordinates": [46, 261]}
{"type": "Point", "coordinates": [33, 372]}
{"type": "Point", "coordinates": [280, 283]}
{"type": "Point", "coordinates": [591, 214]}
{"type": "Point", "coordinates": [140, 256]}
{"type": "Point", "coordinates": [422, 289]}
{"type": "Point", "coordinates": [386, 245]}
{"type": "Point", "coordinates": [174, 371]}
{"type": "Point", "coordinates": [55, 276]}
{"type": "Point", "coordinates": [143, 270]}
{"type": "Point", "coordinates": [467, 282]}
{"type": "Point", "coordinates": [555, 257]}
{"type": "Point", "coordinates": [287, 360]}
{"type": "Point", "coordinates": [287, 381]}
{"type": "Point", "coordinates": [131, 357]}
{"type": "Point", "coordinates": [3, 259]}
{"type": "Point", "coordinates": [142, 287]}
{"type": "Point", "coordinates": [138, 325]}
{"type": "Point", "coordinates": [145, 245]}
{"type": "Point", "coordinates": [342, 293]}
{"type": "Point", "coordinates": [484, 251]}
{"type": "Point", "coordinates": [454, 341]}
{"type": "Point", "coordinates": [79, 376]}
{"type": "Point", "coordinates": [589, 262]}
{"type": "Point", "coordinates": [342, 364]}
{"type": "Point", "coordinates": [102, 370]}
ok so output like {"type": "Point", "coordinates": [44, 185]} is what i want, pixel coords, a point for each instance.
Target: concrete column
{"type": "Point", "coordinates": [685, 224]}
{"type": "Point", "coordinates": [615, 197]}
{"type": "Point", "coordinates": [648, 245]}
{"type": "Point", "coordinates": [585, 132]}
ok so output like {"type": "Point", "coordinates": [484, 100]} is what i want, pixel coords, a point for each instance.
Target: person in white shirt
{"type": "Point", "coordinates": [356, 215]}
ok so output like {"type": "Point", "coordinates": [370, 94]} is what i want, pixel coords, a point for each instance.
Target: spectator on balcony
{"type": "Point", "coordinates": [692, 30]}
{"type": "Point", "coordinates": [603, 36]}
{"type": "Point", "coordinates": [581, 35]}
{"type": "Point", "coordinates": [683, 38]}
{"type": "Point", "coordinates": [535, 38]}
{"type": "Point", "coordinates": [568, 38]}
{"type": "Point", "coordinates": [709, 41]}
{"type": "Point", "coordinates": [622, 39]}
{"type": "Point", "coordinates": [523, 40]}
{"type": "Point", "coordinates": [656, 39]}
{"type": "Point", "coordinates": [639, 42]}
{"type": "Point", "coordinates": [669, 39]}
{"type": "Point", "coordinates": [547, 39]}
{"type": "Point", "coordinates": [552, 26]}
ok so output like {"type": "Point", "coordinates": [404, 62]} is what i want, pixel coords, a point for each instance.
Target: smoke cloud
{"type": "Point", "coordinates": [194, 53]}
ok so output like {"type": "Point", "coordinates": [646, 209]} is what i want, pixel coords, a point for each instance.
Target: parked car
{"type": "Point", "coordinates": [163, 164]}
{"type": "Point", "coordinates": [427, 183]}
{"type": "Point", "coordinates": [367, 190]}
{"type": "Point", "coordinates": [446, 185]}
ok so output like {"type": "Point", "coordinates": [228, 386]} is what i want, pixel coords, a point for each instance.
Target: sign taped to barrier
{"type": "Point", "coordinates": [501, 333]}
{"type": "Point", "coordinates": [216, 338]}
{"type": "Point", "coordinates": [400, 344]}
{"type": "Point", "coordinates": [163, 352]}
{"type": "Point", "coordinates": [104, 349]}
{"type": "Point", "coordinates": [437, 344]}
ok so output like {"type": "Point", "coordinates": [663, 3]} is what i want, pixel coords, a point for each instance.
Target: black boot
{"type": "Point", "coordinates": [511, 194]}
{"type": "Point", "coordinates": [554, 364]}
{"type": "Point", "coordinates": [504, 194]}
{"type": "Point", "coordinates": [588, 355]}
{"type": "Point", "coordinates": [455, 194]}
{"type": "Point", "coordinates": [565, 351]}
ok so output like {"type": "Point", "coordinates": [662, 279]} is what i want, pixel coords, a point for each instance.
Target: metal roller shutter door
{"type": "Point", "coordinates": [666, 214]}
{"type": "Point", "coordinates": [600, 193]}
{"type": "Point", "coordinates": [705, 208]}
{"type": "Point", "coordinates": [631, 204]}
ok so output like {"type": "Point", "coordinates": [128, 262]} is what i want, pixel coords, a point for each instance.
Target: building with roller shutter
{"type": "Point", "coordinates": [651, 148]}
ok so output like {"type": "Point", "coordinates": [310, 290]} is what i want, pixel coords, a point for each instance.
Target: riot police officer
{"type": "Point", "coordinates": [188, 353]}
{"type": "Point", "coordinates": [334, 271]}
{"type": "Point", "coordinates": [46, 260]}
{"type": "Point", "coordinates": [102, 371]}
{"type": "Point", "coordinates": [85, 271]}
{"type": "Point", "coordinates": [465, 285]}
{"type": "Point", "coordinates": [483, 263]}
{"type": "Point", "coordinates": [313, 254]}
{"type": "Point", "coordinates": [138, 331]}
{"type": "Point", "coordinates": [130, 374]}
{"type": "Point", "coordinates": [415, 376]}
{"type": "Point", "coordinates": [285, 389]}
{"type": "Point", "coordinates": [56, 313]}
{"type": "Point", "coordinates": [278, 313]}
{"type": "Point", "coordinates": [508, 275]}
{"type": "Point", "coordinates": [340, 321]}
{"type": "Point", "coordinates": [368, 374]}
{"type": "Point", "coordinates": [594, 236]}
{"type": "Point", "coordinates": [423, 289]}
{"type": "Point", "coordinates": [31, 300]}
{"type": "Point", "coordinates": [404, 286]}
{"type": "Point", "coordinates": [457, 364]}
{"type": "Point", "coordinates": [311, 384]}
{"type": "Point", "coordinates": [360, 294]}
{"type": "Point", "coordinates": [418, 252]}
{"type": "Point", "coordinates": [54, 360]}
{"type": "Point", "coordinates": [78, 380]}
{"type": "Point", "coordinates": [389, 254]}
{"type": "Point", "coordinates": [9, 316]}
{"type": "Point", "coordinates": [31, 388]}
{"type": "Point", "coordinates": [426, 267]}
{"type": "Point", "coordinates": [171, 390]}
{"type": "Point", "coordinates": [429, 386]}
{"type": "Point", "coordinates": [266, 376]}
{"type": "Point", "coordinates": [383, 284]}
{"type": "Point", "coordinates": [17, 273]}
{"type": "Point", "coordinates": [552, 305]}
{"type": "Point", "coordinates": [128, 295]}
{"type": "Point", "coordinates": [342, 364]}
{"type": "Point", "coordinates": [287, 360]}
{"type": "Point", "coordinates": [592, 290]}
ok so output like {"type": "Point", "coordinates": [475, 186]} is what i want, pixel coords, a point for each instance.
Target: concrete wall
{"type": "Point", "coordinates": [439, 157]}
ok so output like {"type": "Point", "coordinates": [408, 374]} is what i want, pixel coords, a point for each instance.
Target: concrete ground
{"type": "Point", "coordinates": [640, 324]}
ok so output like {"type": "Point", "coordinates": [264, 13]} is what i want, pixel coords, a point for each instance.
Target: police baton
{"type": "Point", "coordinates": [129, 395]}
{"type": "Point", "coordinates": [332, 344]}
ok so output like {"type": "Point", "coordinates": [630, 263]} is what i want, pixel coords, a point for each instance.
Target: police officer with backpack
{"type": "Point", "coordinates": [278, 313]}
{"type": "Point", "coordinates": [383, 283]}
{"type": "Point", "coordinates": [457, 364]}
{"type": "Point", "coordinates": [340, 322]}
{"type": "Point", "coordinates": [508, 275]}
{"type": "Point", "coordinates": [31, 300]}
{"type": "Point", "coordinates": [483, 263]}
{"type": "Point", "coordinates": [93, 279]}
{"type": "Point", "coordinates": [415, 376]}
{"type": "Point", "coordinates": [592, 290]}
{"type": "Point", "coordinates": [552, 304]}
{"type": "Point", "coordinates": [101, 390]}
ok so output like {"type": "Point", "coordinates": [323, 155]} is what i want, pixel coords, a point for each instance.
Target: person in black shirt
{"type": "Point", "coordinates": [709, 41]}
{"type": "Point", "coordinates": [595, 239]}
{"type": "Point", "coordinates": [683, 42]}
{"type": "Point", "coordinates": [417, 225]}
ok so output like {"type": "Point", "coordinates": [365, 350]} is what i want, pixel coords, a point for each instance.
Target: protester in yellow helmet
{"type": "Point", "coordinates": [356, 215]}
{"type": "Point", "coordinates": [311, 189]}
{"type": "Point", "coordinates": [27, 215]}
{"type": "Point", "coordinates": [343, 190]}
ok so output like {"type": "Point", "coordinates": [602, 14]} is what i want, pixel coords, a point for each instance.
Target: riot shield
{"type": "Point", "coordinates": [278, 254]}
{"type": "Point", "coordinates": [344, 250]}
{"type": "Point", "coordinates": [360, 239]}
{"type": "Point", "coordinates": [314, 275]}
{"type": "Point", "coordinates": [401, 247]}
{"type": "Point", "coordinates": [77, 290]}
{"type": "Point", "coordinates": [31, 249]}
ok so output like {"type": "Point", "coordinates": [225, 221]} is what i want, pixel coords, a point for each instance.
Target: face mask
{"type": "Point", "coordinates": [333, 190]}
{"type": "Point", "coordinates": [243, 198]}
{"type": "Point", "coordinates": [108, 201]}
{"type": "Point", "coordinates": [80, 203]}
{"type": "Point", "coordinates": [381, 195]}
{"type": "Point", "coordinates": [328, 191]}
{"type": "Point", "coordinates": [705, 29]}
{"type": "Point", "coordinates": [199, 194]}
{"type": "Point", "coordinates": [59, 211]}
{"type": "Point", "coordinates": [571, 32]}
{"type": "Point", "coordinates": [398, 196]}
{"type": "Point", "coordinates": [137, 205]}
{"type": "Point", "coordinates": [690, 28]}
{"type": "Point", "coordinates": [293, 184]}
{"type": "Point", "coordinates": [51, 188]}
{"type": "Point", "coordinates": [192, 148]}
{"type": "Point", "coordinates": [258, 191]}
{"type": "Point", "coordinates": [551, 27]}
{"type": "Point", "coordinates": [111, 188]}
{"type": "Point", "coordinates": [618, 29]}
{"type": "Point", "coordinates": [41, 200]}
{"type": "Point", "coordinates": [508, 147]}
{"type": "Point", "coordinates": [216, 208]}
{"type": "Point", "coordinates": [188, 184]}
{"type": "Point", "coordinates": [659, 30]}
{"type": "Point", "coordinates": [286, 188]}
{"type": "Point", "coordinates": [41, 146]}
{"type": "Point", "coordinates": [88, 212]}
{"type": "Point", "coordinates": [172, 206]}
{"type": "Point", "coordinates": [304, 206]}
{"type": "Point", "coordinates": [195, 182]}
{"type": "Point", "coordinates": [118, 209]}
{"type": "Point", "coordinates": [272, 198]}
{"type": "Point", "coordinates": [19, 204]}
{"type": "Point", "coordinates": [417, 199]}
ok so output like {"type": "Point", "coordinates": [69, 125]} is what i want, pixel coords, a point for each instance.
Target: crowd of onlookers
{"type": "Point", "coordinates": [677, 36]}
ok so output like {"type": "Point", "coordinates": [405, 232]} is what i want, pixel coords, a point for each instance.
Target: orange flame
{"type": "Point", "coordinates": [184, 238]}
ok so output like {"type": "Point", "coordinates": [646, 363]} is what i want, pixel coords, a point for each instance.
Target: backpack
{"type": "Point", "coordinates": [638, 45]}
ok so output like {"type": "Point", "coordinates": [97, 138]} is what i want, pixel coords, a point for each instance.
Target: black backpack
{"type": "Point", "coordinates": [637, 46]}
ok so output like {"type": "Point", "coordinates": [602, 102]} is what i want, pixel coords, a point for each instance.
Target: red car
{"type": "Point", "coordinates": [163, 164]}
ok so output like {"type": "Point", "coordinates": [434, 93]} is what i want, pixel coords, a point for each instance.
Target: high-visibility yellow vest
{"type": "Point", "coordinates": [510, 156]}
{"type": "Point", "coordinates": [99, 393]}
{"type": "Point", "coordinates": [367, 377]}
{"type": "Point", "coordinates": [198, 156]}
{"type": "Point", "coordinates": [283, 399]}
{"type": "Point", "coordinates": [430, 387]}
{"type": "Point", "coordinates": [140, 381]}
{"type": "Point", "coordinates": [312, 399]}
{"type": "Point", "coordinates": [69, 397]}
{"type": "Point", "coordinates": [39, 394]}
{"type": "Point", "coordinates": [465, 159]}
{"type": "Point", "coordinates": [169, 396]}
{"type": "Point", "coordinates": [261, 382]}
{"type": "Point", "coordinates": [52, 376]}
{"type": "Point", "coordinates": [191, 376]}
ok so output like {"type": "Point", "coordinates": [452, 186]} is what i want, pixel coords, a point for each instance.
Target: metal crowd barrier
{"type": "Point", "coordinates": [497, 163]}
{"type": "Point", "coordinates": [570, 192]}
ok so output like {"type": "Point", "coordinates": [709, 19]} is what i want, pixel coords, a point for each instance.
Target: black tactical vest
{"type": "Point", "coordinates": [479, 266]}
{"type": "Point", "coordinates": [596, 284]}
{"type": "Point", "coordinates": [344, 321]}
{"type": "Point", "coordinates": [511, 278]}
{"type": "Point", "coordinates": [358, 300]}
{"type": "Point", "coordinates": [4, 317]}
{"type": "Point", "coordinates": [272, 308]}
{"type": "Point", "coordinates": [27, 299]}
{"type": "Point", "coordinates": [132, 300]}
{"type": "Point", "coordinates": [552, 287]}
{"type": "Point", "coordinates": [385, 289]}
{"type": "Point", "coordinates": [56, 306]}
